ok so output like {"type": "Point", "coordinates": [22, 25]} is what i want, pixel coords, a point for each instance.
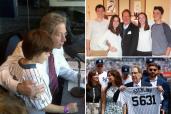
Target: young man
{"type": "Point", "coordinates": [126, 78]}
{"type": "Point", "coordinates": [129, 34]}
{"type": "Point", "coordinates": [101, 73]}
{"type": "Point", "coordinates": [156, 80]}
{"type": "Point", "coordinates": [160, 32]}
{"type": "Point", "coordinates": [95, 30]}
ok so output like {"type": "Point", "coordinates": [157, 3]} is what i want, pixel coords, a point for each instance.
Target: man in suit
{"type": "Point", "coordinates": [136, 78]}
{"type": "Point", "coordinates": [156, 80]}
{"type": "Point", "coordinates": [136, 81]}
{"type": "Point", "coordinates": [129, 34]}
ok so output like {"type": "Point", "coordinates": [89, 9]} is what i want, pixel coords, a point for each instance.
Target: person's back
{"type": "Point", "coordinates": [10, 104]}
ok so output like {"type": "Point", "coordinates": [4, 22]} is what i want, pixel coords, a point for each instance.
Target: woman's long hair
{"type": "Point", "coordinates": [117, 78]}
{"type": "Point", "coordinates": [146, 27]}
{"type": "Point", "coordinates": [110, 27]}
{"type": "Point", "coordinates": [89, 84]}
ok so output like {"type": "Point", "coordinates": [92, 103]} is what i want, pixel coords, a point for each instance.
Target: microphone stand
{"type": "Point", "coordinates": [78, 91]}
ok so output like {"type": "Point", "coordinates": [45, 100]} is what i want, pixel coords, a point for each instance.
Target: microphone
{"type": "Point", "coordinates": [76, 91]}
{"type": "Point", "coordinates": [72, 53]}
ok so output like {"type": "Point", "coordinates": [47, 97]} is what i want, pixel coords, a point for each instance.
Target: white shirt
{"type": "Point", "coordinates": [61, 65]}
{"type": "Point", "coordinates": [125, 26]}
{"type": "Point", "coordinates": [137, 85]}
{"type": "Point", "coordinates": [95, 31]}
{"type": "Point", "coordinates": [114, 40]}
{"type": "Point", "coordinates": [141, 100]}
{"type": "Point", "coordinates": [103, 79]}
{"type": "Point", "coordinates": [145, 41]}
{"type": "Point", "coordinates": [30, 72]}
{"type": "Point", "coordinates": [154, 82]}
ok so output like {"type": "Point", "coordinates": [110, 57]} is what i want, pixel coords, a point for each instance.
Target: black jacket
{"type": "Point", "coordinates": [129, 39]}
{"type": "Point", "coordinates": [143, 83]}
{"type": "Point", "coordinates": [89, 94]}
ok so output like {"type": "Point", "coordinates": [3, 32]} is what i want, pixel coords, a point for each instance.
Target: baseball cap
{"type": "Point", "coordinates": [125, 69]}
{"type": "Point", "coordinates": [149, 60]}
{"type": "Point", "coordinates": [99, 61]}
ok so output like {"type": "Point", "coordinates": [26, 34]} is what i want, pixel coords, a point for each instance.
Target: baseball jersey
{"type": "Point", "coordinates": [103, 79]}
{"type": "Point", "coordinates": [141, 100]}
{"type": "Point", "coordinates": [30, 72]}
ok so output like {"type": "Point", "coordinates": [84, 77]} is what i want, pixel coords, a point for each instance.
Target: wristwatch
{"type": "Point", "coordinates": [66, 110]}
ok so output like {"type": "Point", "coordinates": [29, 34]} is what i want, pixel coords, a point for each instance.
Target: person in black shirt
{"type": "Point", "coordinates": [93, 93]}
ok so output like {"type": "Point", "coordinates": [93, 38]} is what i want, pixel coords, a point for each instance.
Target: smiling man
{"type": "Point", "coordinates": [129, 34]}
{"type": "Point", "coordinates": [160, 33]}
{"type": "Point", "coordinates": [96, 30]}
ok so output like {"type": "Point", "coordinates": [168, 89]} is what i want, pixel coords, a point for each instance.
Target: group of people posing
{"type": "Point", "coordinates": [129, 91]}
{"type": "Point", "coordinates": [127, 39]}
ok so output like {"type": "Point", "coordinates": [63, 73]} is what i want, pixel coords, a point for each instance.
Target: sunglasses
{"type": "Point", "coordinates": [152, 70]}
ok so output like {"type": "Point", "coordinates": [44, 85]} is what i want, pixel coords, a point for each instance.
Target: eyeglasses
{"type": "Point", "coordinates": [134, 72]}
{"type": "Point", "coordinates": [152, 70]}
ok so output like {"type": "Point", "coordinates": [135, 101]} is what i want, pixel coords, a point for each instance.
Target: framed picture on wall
{"type": "Point", "coordinates": [112, 7]}
{"type": "Point", "coordinates": [137, 6]}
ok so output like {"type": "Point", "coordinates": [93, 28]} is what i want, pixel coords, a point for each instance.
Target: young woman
{"type": "Point", "coordinates": [93, 93]}
{"type": "Point", "coordinates": [36, 49]}
{"type": "Point", "coordinates": [144, 47]}
{"type": "Point", "coordinates": [109, 105]}
{"type": "Point", "coordinates": [112, 37]}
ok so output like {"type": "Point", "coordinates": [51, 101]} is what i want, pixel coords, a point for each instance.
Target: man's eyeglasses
{"type": "Point", "coordinates": [99, 65]}
{"type": "Point", "coordinates": [152, 70]}
{"type": "Point", "coordinates": [134, 72]}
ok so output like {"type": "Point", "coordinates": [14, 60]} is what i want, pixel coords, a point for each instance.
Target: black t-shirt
{"type": "Point", "coordinates": [93, 95]}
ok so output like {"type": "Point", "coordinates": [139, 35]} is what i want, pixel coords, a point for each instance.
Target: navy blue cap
{"type": "Point", "coordinates": [99, 61]}
{"type": "Point", "coordinates": [149, 60]}
{"type": "Point", "coordinates": [125, 69]}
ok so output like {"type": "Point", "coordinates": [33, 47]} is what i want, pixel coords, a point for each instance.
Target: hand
{"type": "Point", "coordinates": [160, 88]}
{"type": "Point", "coordinates": [122, 88]}
{"type": "Point", "coordinates": [72, 107]}
{"type": "Point", "coordinates": [112, 49]}
{"type": "Point", "coordinates": [168, 51]}
{"type": "Point", "coordinates": [29, 88]}
{"type": "Point", "coordinates": [162, 111]}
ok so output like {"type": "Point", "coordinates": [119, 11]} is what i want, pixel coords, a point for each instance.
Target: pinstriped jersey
{"type": "Point", "coordinates": [30, 72]}
{"type": "Point", "coordinates": [103, 79]}
{"type": "Point", "coordinates": [142, 100]}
